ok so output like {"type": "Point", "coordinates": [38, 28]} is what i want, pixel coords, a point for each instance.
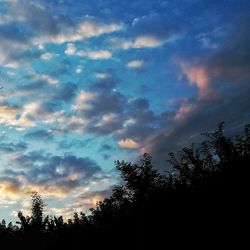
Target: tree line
{"type": "Point", "coordinates": [202, 199]}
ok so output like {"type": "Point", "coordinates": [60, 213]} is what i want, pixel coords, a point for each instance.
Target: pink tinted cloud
{"type": "Point", "coordinates": [200, 77]}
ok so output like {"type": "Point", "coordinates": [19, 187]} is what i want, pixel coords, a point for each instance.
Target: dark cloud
{"type": "Point", "coordinates": [104, 85]}
{"type": "Point", "coordinates": [40, 18]}
{"type": "Point", "coordinates": [24, 55]}
{"type": "Point", "coordinates": [113, 102]}
{"type": "Point", "coordinates": [65, 92]}
{"type": "Point", "coordinates": [105, 147]}
{"type": "Point", "coordinates": [106, 150]}
{"type": "Point", "coordinates": [32, 86]}
{"type": "Point", "coordinates": [139, 104]}
{"type": "Point", "coordinates": [232, 107]}
{"type": "Point", "coordinates": [228, 73]}
{"type": "Point", "coordinates": [39, 135]}
{"type": "Point", "coordinates": [58, 95]}
{"type": "Point", "coordinates": [86, 199]}
{"type": "Point", "coordinates": [68, 171]}
{"type": "Point", "coordinates": [232, 61]}
{"type": "Point", "coordinates": [13, 147]}
{"type": "Point", "coordinates": [111, 111]}
{"type": "Point", "coordinates": [30, 160]}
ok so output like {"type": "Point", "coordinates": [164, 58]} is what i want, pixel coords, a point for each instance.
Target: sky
{"type": "Point", "coordinates": [85, 83]}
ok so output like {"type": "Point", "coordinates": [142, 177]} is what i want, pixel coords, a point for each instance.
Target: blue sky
{"type": "Point", "coordinates": [85, 83]}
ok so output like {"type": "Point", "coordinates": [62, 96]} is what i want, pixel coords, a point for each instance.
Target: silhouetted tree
{"type": "Point", "coordinates": [37, 209]}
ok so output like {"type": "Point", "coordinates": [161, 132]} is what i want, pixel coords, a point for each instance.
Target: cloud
{"type": "Point", "coordinates": [84, 30]}
{"type": "Point", "coordinates": [30, 114]}
{"type": "Point", "coordinates": [149, 31]}
{"type": "Point", "coordinates": [9, 186]}
{"type": "Point", "coordinates": [71, 50]}
{"type": "Point", "coordinates": [13, 147]}
{"type": "Point", "coordinates": [54, 172]}
{"type": "Point", "coordinates": [145, 42]}
{"type": "Point", "coordinates": [83, 99]}
{"type": "Point", "coordinates": [13, 116]}
{"type": "Point", "coordinates": [135, 64]}
{"type": "Point", "coordinates": [101, 54]}
{"type": "Point", "coordinates": [232, 107]}
{"type": "Point", "coordinates": [48, 79]}
{"type": "Point", "coordinates": [65, 144]}
{"type": "Point", "coordinates": [229, 63]}
{"type": "Point", "coordinates": [36, 16]}
{"type": "Point", "coordinates": [39, 135]}
{"type": "Point", "coordinates": [78, 70]}
{"type": "Point", "coordinates": [49, 108]}
{"type": "Point", "coordinates": [37, 112]}
{"type": "Point", "coordinates": [81, 203]}
{"type": "Point", "coordinates": [102, 75]}
{"type": "Point", "coordinates": [96, 112]}
{"type": "Point", "coordinates": [71, 123]}
{"type": "Point", "coordinates": [199, 76]}
{"type": "Point", "coordinates": [89, 199]}
{"type": "Point", "coordinates": [128, 143]}
{"type": "Point", "coordinates": [13, 44]}
{"type": "Point", "coordinates": [64, 93]}
{"type": "Point", "coordinates": [141, 42]}
{"type": "Point", "coordinates": [69, 178]}
{"type": "Point", "coordinates": [23, 34]}
{"type": "Point", "coordinates": [103, 111]}
{"type": "Point", "coordinates": [105, 147]}
{"type": "Point", "coordinates": [46, 56]}
{"type": "Point", "coordinates": [226, 73]}
{"type": "Point", "coordinates": [206, 41]}
{"type": "Point", "coordinates": [92, 104]}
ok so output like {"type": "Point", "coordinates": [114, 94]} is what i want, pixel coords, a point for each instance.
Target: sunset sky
{"type": "Point", "coordinates": [84, 83]}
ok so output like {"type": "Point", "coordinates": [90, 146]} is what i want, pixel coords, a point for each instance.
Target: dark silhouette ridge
{"type": "Point", "coordinates": [202, 203]}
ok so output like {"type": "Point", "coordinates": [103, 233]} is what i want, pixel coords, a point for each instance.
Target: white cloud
{"type": "Point", "coordinates": [107, 119]}
{"type": "Point", "coordinates": [71, 49]}
{"type": "Point", "coordinates": [84, 30]}
{"type": "Point", "coordinates": [101, 54]}
{"type": "Point", "coordinates": [147, 42]}
{"type": "Point", "coordinates": [78, 70]}
{"type": "Point", "coordinates": [49, 79]}
{"type": "Point", "coordinates": [138, 43]}
{"type": "Point", "coordinates": [9, 117]}
{"type": "Point", "coordinates": [40, 46]}
{"type": "Point", "coordinates": [46, 56]}
{"type": "Point", "coordinates": [135, 64]}
{"type": "Point", "coordinates": [102, 75]}
{"type": "Point", "coordinates": [83, 99]}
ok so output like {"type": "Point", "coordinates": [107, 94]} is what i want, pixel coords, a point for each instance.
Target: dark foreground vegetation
{"type": "Point", "coordinates": [202, 203]}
